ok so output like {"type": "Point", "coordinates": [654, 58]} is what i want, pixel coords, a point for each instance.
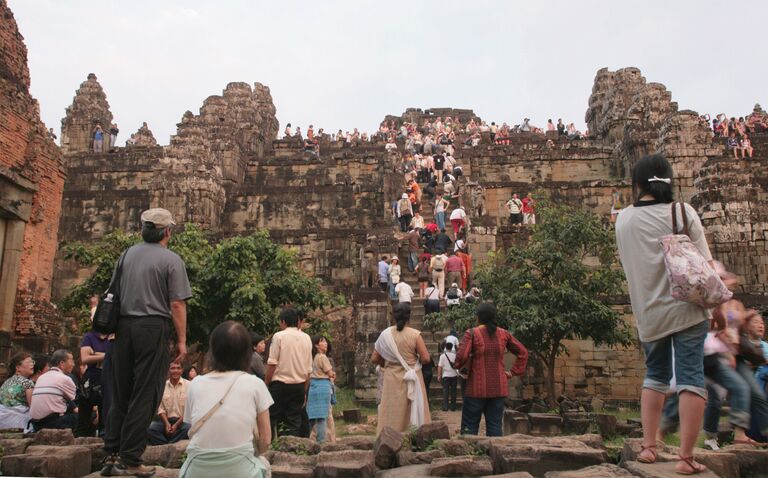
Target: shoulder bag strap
{"type": "Point", "coordinates": [674, 217]}
{"type": "Point", "coordinates": [114, 286]}
{"type": "Point", "coordinates": [685, 219]}
{"type": "Point", "coordinates": [449, 361]}
{"type": "Point", "coordinates": [196, 427]}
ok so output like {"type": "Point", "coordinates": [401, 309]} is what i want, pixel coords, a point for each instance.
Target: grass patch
{"type": "Point", "coordinates": [345, 400]}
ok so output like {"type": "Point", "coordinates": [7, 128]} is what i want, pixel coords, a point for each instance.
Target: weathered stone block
{"type": "Point", "coordinates": [606, 423]}
{"type": "Point", "coordinates": [540, 456]}
{"type": "Point", "coordinates": [597, 471]}
{"type": "Point", "coordinates": [45, 460]}
{"type": "Point", "coordinates": [385, 449]}
{"type": "Point", "coordinates": [54, 437]}
{"type": "Point", "coordinates": [14, 446]}
{"type": "Point", "coordinates": [454, 447]}
{"type": "Point", "coordinates": [545, 424]}
{"type": "Point", "coordinates": [299, 445]}
{"type": "Point", "coordinates": [516, 422]}
{"type": "Point", "coordinates": [288, 465]}
{"type": "Point", "coordinates": [429, 432]}
{"type": "Point", "coordinates": [407, 457]}
{"type": "Point", "coordinates": [658, 470]}
{"type": "Point", "coordinates": [345, 464]}
{"type": "Point", "coordinates": [461, 466]}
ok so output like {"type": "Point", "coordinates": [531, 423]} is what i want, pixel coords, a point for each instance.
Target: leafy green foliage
{"type": "Point", "coordinates": [245, 278]}
{"type": "Point", "coordinates": [556, 288]}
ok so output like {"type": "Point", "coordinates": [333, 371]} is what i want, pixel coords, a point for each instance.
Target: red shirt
{"type": "Point", "coordinates": [528, 207]}
{"type": "Point", "coordinates": [454, 264]}
{"type": "Point", "coordinates": [486, 364]}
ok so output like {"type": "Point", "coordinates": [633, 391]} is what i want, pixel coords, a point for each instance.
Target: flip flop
{"type": "Point", "coordinates": [696, 467]}
{"type": "Point", "coordinates": [652, 449]}
{"type": "Point", "coordinates": [749, 441]}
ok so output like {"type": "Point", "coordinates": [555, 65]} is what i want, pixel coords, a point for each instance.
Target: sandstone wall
{"type": "Point", "coordinates": [31, 183]}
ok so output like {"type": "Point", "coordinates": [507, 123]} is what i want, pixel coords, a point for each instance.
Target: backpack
{"type": "Point", "coordinates": [424, 271]}
{"type": "Point", "coordinates": [453, 293]}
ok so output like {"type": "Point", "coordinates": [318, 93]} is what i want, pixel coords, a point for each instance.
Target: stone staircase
{"type": "Point", "coordinates": [432, 341]}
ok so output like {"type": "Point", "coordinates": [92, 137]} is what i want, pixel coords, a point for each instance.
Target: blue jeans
{"type": "Point", "coordinates": [321, 425]}
{"type": "Point", "coordinates": [413, 260]}
{"type": "Point", "coordinates": [689, 360]}
{"type": "Point", "coordinates": [392, 289]}
{"type": "Point", "coordinates": [157, 434]}
{"type": "Point", "coordinates": [440, 220]}
{"type": "Point", "coordinates": [473, 408]}
{"type": "Point", "coordinates": [738, 396]}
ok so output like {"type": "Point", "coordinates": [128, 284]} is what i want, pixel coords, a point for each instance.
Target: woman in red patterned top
{"type": "Point", "coordinates": [482, 353]}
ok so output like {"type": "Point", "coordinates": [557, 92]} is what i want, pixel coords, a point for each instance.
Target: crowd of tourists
{"type": "Point", "coordinates": [737, 131]}
{"type": "Point", "coordinates": [425, 137]}
{"type": "Point", "coordinates": [694, 358]}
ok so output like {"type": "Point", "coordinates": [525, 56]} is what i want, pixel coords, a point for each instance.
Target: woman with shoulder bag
{"type": "Point", "coordinates": [666, 325]}
{"type": "Point", "coordinates": [482, 353]}
{"type": "Point", "coordinates": [228, 410]}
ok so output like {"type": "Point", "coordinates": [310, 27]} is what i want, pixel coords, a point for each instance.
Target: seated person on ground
{"type": "Point", "coordinates": [170, 426]}
{"type": "Point", "coordinates": [52, 394]}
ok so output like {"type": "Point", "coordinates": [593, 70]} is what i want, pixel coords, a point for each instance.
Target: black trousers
{"type": "Point", "coordinates": [140, 359]}
{"type": "Point", "coordinates": [286, 413]}
{"type": "Point", "coordinates": [449, 391]}
{"type": "Point", "coordinates": [85, 426]}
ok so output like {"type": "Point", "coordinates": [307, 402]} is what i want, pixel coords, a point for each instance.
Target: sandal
{"type": "Point", "coordinates": [751, 442]}
{"type": "Point", "coordinates": [652, 450]}
{"type": "Point", "coordinates": [695, 467]}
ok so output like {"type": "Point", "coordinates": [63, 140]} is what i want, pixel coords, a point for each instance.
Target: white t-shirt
{"type": "Point", "coordinates": [404, 292]}
{"type": "Point", "coordinates": [232, 425]}
{"type": "Point", "coordinates": [453, 340]}
{"type": "Point", "coordinates": [448, 370]}
{"type": "Point", "coordinates": [638, 230]}
{"type": "Point", "coordinates": [458, 213]}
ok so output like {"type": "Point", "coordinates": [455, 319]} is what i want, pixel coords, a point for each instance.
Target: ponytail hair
{"type": "Point", "coordinates": [402, 314]}
{"type": "Point", "coordinates": [486, 315]}
{"type": "Point", "coordinates": [653, 175]}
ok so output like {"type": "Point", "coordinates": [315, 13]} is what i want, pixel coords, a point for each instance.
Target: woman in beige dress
{"type": "Point", "coordinates": [400, 351]}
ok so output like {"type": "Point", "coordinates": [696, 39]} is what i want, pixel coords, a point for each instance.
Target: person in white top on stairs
{"type": "Point", "coordinates": [448, 376]}
{"type": "Point", "coordinates": [404, 292]}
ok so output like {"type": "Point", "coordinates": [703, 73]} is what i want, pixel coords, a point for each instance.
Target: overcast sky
{"type": "Point", "coordinates": [346, 64]}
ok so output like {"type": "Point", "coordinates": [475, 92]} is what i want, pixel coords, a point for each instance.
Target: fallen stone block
{"type": "Point", "coordinates": [606, 424]}
{"type": "Point", "coordinates": [539, 458]}
{"type": "Point", "coordinates": [752, 462]}
{"type": "Point", "coordinates": [516, 474]}
{"type": "Point", "coordinates": [292, 444]}
{"type": "Point", "coordinates": [545, 424]}
{"type": "Point", "coordinates": [461, 466]}
{"type": "Point", "coordinates": [168, 456]}
{"type": "Point", "coordinates": [605, 470]}
{"type": "Point", "coordinates": [454, 447]}
{"type": "Point", "coordinates": [385, 449]}
{"type": "Point", "coordinates": [665, 469]}
{"type": "Point", "coordinates": [52, 437]}
{"type": "Point", "coordinates": [407, 457]}
{"type": "Point", "coordinates": [429, 432]}
{"type": "Point", "coordinates": [45, 460]}
{"type": "Point", "coordinates": [515, 422]}
{"type": "Point", "coordinates": [353, 415]}
{"type": "Point", "coordinates": [288, 465]}
{"type": "Point", "coordinates": [14, 446]}
{"type": "Point", "coordinates": [360, 429]}
{"type": "Point", "coordinates": [345, 464]}
{"type": "Point", "coordinates": [89, 441]}
{"type": "Point", "coordinates": [160, 472]}
{"type": "Point", "coordinates": [357, 442]}
{"type": "Point", "coordinates": [410, 471]}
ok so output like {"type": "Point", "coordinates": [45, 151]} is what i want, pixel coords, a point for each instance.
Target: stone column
{"type": "Point", "coordinates": [9, 272]}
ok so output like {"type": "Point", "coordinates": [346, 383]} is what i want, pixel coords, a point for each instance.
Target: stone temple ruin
{"type": "Point", "coordinates": [225, 170]}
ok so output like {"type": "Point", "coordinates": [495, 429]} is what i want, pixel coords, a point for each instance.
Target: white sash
{"type": "Point", "coordinates": [387, 348]}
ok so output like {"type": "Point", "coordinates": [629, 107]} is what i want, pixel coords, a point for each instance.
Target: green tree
{"type": "Point", "coordinates": [245, 278]}
{"type": "Point", "coordinates": [558, 287]}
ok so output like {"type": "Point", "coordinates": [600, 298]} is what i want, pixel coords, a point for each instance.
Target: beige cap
{"type": "Point", "coordinates": [158, 216]}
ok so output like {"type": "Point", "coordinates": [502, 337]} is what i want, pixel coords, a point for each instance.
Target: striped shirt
{"type": "Point", "coordinates": [51, 393]}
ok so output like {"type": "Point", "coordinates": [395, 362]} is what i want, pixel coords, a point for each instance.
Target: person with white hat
{"type": "Point", "coordinates": [152, 290]}
{"type": "Point", "coordinates": [404, 212]}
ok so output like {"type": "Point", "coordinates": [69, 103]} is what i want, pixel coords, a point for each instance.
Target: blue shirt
{"type": "Point", "coordinates": [383, 271]}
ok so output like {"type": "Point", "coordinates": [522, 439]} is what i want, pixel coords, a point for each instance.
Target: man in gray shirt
{"type": "Point", "coordinates": [153, 289]}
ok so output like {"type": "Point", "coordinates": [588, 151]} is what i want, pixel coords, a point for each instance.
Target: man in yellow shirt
{"type": "Point", "coordinates": [288, 369]}
{"type": "Point", "coordinates": [170, 427]}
